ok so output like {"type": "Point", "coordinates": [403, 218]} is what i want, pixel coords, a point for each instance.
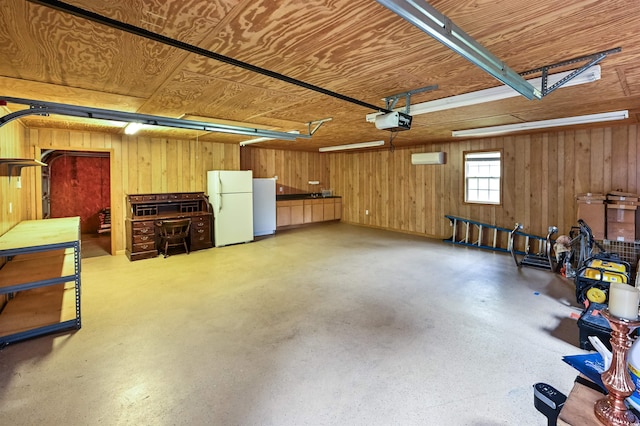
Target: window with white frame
{"type": "Point", "coordinates": [482, 177]}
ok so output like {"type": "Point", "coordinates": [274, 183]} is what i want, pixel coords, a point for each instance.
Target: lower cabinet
{"type": "Point", "coordinates": [307, 213]}
{"type": "Point", "coordinates": [289, 212]}
{"type": "Point", "coordinates": [309, 210]}
{"type": "Point", "coordinates": [283, 213]}
{"type": "Point", "coordinates": [317, 210]}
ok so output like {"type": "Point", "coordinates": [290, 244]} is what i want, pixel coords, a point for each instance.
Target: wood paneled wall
{"type": "Point", "coordinates": [294, 169]}
{"type": "Point", "coordinates": [542, 174]}
{"type": "Point", "coordinates": [141, 165]}
{"type": "Point", "coordinates": [13, 145]}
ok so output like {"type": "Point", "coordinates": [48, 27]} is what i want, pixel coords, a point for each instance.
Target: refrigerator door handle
{"type": "Point", "coordinates": [218, 194]}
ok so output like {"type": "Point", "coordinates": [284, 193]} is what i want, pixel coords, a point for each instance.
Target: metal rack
{"type": "Point", "coordinates": [43, 260]}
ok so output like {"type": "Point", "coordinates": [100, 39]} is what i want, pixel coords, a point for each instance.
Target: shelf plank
{"type": "Point", "coordinates": [42, 254]}
{"type": "Point", "coordinates": [34, 271]}
{"type": "Point", "coordinates": [34, 235]}
{"type": "Point", "coordinates": [37, 308]}
{"type": "Point", "coordinates": [24, 162]}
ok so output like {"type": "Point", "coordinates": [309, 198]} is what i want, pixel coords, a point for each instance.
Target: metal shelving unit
{"type": "Point", "coordinates": [41, 279]}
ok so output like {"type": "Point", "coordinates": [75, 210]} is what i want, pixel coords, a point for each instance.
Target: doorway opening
{"type": "Point", "coordinates": [77, 183]}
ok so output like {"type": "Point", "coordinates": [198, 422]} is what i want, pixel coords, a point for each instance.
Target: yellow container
{"type": "Point", "coordinates": [608, 276]}
{"type": "Point", "coordinates": [609, 266]}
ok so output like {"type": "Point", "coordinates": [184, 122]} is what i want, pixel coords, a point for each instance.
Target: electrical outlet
{"type": "Point", "coordinates": [366, 212]}
{"type": "Point", "coordinates": [10, 207]}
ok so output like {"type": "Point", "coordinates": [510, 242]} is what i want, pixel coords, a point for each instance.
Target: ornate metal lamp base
{"type": "Point", "coordinates": [612, 410]}
{"type": "Point", "coordinates": [610, 415]}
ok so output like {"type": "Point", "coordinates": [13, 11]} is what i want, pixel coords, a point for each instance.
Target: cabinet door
{"type": "Point", "coordinates": [328, 210]}
{"type": "Point", "coordinates": [317, 212]}
{"type": "Point", "coordinates": [337, 210]}
{"type": "Point", "coordinates": [283, 216]}
{"type": "Point", "coordinates": [297, 214]}
{"type": "Point", "coordinates": [307, 212]}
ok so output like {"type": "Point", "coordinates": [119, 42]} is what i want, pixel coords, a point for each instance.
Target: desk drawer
{"type": "Point", "coordinates": [199, 221]}
{"type": "Point", "coordinates": [148, 246]}
{"type": "Point", "coordinates": [142, 228]}
{"type": "Point", "coordinates": [141, 198]}
{"type": "Point", "coordinates": [201, 231]}
{"type": "Point", "coordinates": [143, 238]}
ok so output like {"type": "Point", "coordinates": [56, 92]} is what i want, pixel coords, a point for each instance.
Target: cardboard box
{"type": "Point", "coordinates": [593, 213]}
{"type": "Point", "coordinates": [591, 196]}
{"type": "Point", "coordinates": [622, 196]}
{"type": "Point", "coordinates": [625, 232]}
{"type": "Point", "coordinates": [621, 213]}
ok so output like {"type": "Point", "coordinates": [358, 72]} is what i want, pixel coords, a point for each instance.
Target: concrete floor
{"type": "Point", "coordinates": [326, 325]}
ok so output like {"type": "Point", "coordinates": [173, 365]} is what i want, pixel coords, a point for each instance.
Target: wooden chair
{"type": "Point", "coordinates": [173, 233]}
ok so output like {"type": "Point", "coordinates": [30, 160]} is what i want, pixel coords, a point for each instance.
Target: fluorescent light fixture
{"type": "Point", "coordinates": [351, 146]}
{"type": "Point", "coordinates": [494, 93]}
{"type": "Point", "coordinates": [426, 18]}
{"type": "Point", "coordinates": [258, 140]}
{"type": "Point", "coordinates": [135, 119]}
{"type": "Point", "coordinates": [132, 128]}
{"type": "Point", "coordinates": [557, 122]}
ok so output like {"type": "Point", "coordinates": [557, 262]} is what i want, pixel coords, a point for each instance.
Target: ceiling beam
{"type": "Point", "coordinates": [426, 18]}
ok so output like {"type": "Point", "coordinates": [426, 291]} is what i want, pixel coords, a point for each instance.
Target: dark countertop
{"type": "Point", "coordinates": [302, 197]}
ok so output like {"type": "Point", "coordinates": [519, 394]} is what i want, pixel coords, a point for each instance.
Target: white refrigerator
{"type": "Point", "coordinates": [231, 195]}
{"type": "Point", "coordinates": [264, 206]}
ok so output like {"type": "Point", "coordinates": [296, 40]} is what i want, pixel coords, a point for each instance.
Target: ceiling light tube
{"type": "Point", "coordinates": [531, 125]}
{"type": "Point", "coordinates": [351, 146]}
{"type": "Point", "coordinates": [132, 128]}
{"type": "Point", "coordinates": [258, 140]}
{"type": "Point", "coordinates": [48, 108]}
{"type": "Point", "coordinates": [494, 93]}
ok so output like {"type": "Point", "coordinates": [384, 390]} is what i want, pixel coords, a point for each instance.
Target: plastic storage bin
{"type": "Point", "coordinates": [591, 323]}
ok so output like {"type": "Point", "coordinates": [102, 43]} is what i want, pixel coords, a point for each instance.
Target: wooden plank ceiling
{"type": "Point", "coordinates": [357, 48]}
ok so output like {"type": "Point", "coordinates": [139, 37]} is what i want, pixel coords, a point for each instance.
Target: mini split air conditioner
{"type": "Point", "coordinates": [428, 158]}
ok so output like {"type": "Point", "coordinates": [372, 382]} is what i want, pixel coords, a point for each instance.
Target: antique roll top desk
{"type": "Point", "coordinates": [143, 210]}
